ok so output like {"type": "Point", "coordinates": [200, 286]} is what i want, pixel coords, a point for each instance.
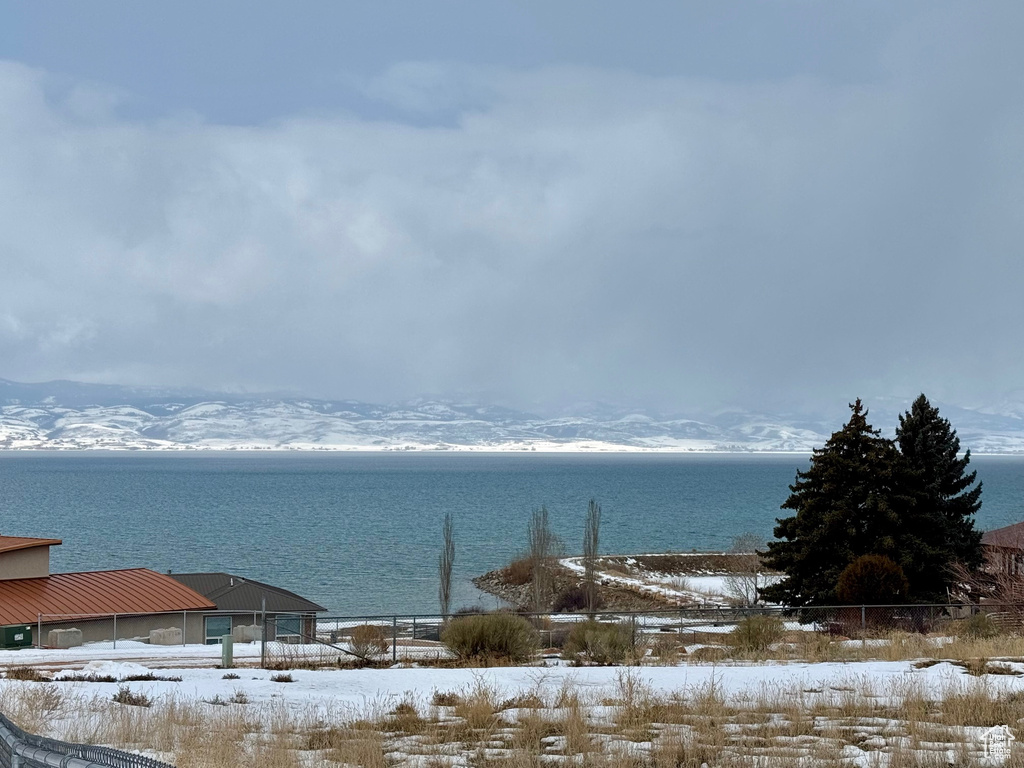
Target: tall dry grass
{"type": "Point", "coordinates": [912, 721]}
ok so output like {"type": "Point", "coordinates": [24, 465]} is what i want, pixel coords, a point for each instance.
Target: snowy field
{"type": "Point", "coordinates": [869, 713]}
{"type": "Point", "coordinates": [361, 692]}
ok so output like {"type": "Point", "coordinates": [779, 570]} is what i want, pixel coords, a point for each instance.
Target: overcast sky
{"type": "Point", "coordinates": [679, 206]}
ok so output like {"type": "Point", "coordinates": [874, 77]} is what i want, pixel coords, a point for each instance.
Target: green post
{"type": "Point", "coordinates": [227, 648]}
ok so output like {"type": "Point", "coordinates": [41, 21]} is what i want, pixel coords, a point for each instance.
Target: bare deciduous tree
{"type": "Point", "coordinates": [541, 544]}
{"type": "Point", "coordinates": [591, 539]}
{"type": "Point", "coordinates": [444, 565]}
{"type": "Point", "coordinates": [994, 585]}
{"type": "Point", "coordinates": [744, 584]}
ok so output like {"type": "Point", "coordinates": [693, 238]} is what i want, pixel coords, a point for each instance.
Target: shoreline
{"type": "Point", "coordinates": [547, 450]}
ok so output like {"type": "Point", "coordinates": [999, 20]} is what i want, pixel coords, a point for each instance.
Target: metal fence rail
{"type": "Point", "coordinates": [395, 638]}
{"type": "Point", "coordinates": [19, 749]}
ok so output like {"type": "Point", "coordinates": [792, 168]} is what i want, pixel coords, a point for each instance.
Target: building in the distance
{"type": "Point", "coordinates": [1004, 550]}
{"type": "Point", "coordinates": [136, 604]}
{"type": "Point", "coordinates": [240, 603]}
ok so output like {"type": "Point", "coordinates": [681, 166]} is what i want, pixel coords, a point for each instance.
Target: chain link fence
{"type": "Point", "coordinates": [307, 641]}
{"type": "Point", "coordinates": [19, 749]}
{"type": "Point", "coordinates": [383, 640]}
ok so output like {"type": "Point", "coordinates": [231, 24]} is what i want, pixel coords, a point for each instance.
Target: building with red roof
{"type": "Point", "coordinates": [135, 603]}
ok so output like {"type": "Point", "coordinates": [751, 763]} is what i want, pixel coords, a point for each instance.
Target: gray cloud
{"type": "Point", "coordinates": [562, 233]}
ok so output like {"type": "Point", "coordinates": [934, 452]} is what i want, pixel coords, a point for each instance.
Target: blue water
{"type": "Point", "coordinates": [360, 533]}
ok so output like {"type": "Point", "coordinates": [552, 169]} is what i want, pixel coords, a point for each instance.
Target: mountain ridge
{"type": "Point", "coordinates": [67, 415]}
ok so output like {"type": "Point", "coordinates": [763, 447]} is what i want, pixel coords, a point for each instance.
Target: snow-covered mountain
{"type": "Point", "coordinates": [69, 415]}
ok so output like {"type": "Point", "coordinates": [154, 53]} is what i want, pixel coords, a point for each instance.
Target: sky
{"type": "Point", "coordinates": [670, 206]}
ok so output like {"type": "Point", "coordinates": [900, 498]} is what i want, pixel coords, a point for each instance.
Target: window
{"type": "Point", "coordinates": [289, 628]}
{"type": "Point", "coordinates": [216, 628]}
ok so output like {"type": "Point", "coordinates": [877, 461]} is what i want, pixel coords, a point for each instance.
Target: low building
{"type": "Point", "coordinates": [1004, 550]}
{"type": "Point", "coordinates": [141, 599]}
{"type": "Point", "coordinates": [241, 602]}
{"type": "Point", "coordinates": [65, 609]}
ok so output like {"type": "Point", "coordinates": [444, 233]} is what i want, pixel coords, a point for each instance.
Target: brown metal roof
{"type": "Point", "coordinates": [96, 593]}
{"type": "Point", "coordinates": [11, 543]}
{"type": "Point", "coordinates": [1010, 537]}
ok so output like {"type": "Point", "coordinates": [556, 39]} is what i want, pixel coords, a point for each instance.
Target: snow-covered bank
{"type": "Point", "coordinates": [686, 586]}
{"type": "Point", "coordinates": [871, 714]}
{"type": "Point", "coordinates": [358, 690]}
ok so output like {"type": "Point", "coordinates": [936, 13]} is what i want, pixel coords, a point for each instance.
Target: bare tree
{"type": "Point", "coordinates": [541, 544]}
{"type": "Point", "coordinates": [743, 585]}
{"type": "Point", "coordinates": [995, 586]}
{"type": "Point", "coordinates": [591, 539]}
{"type": "Point", "coordinates": [444, 565]}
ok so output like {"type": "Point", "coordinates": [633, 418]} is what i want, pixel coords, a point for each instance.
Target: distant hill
{"type": "Point", "coordinates": [73, 415]}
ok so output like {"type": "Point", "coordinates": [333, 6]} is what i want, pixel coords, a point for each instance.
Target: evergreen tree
{"type": "Point", "coordinates": [929, 446]}
{"type": "Point", "coordinates": [855, 499]}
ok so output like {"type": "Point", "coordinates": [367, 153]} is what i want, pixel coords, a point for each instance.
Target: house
{"type": "Point", "coordinates": [1004, 550]}
{"type": "Point", "coordinates": [241, 602]}
{"type": "Point", "coordinates": [65, 609]}
{"type": "Point", "coordinates": [142, 600]}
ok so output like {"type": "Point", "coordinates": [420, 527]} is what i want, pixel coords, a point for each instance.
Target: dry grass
{"type": "Point", "coordinates": [369, 641]}
{"type": "Point", "coordinates": [631, 726]}
{"type": "Point", "coordinates": [806, 646]}
{"type": "Point", "coordinates": [30, 674]}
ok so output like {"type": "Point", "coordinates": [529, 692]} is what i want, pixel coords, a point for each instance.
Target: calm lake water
{"type": "Point", "coordinates": [361, 533]}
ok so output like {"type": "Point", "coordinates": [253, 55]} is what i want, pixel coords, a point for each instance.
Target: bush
{"type": "Point", "coordinates": [368, 640]}
{"type": "Point", "coordinates": [708, 653]}
{"type": "Point", "coordinates": [872, 580]}
{"type": "Point", "coordinates": [667, 647]}
{"type": "Point", "coordinates": [127, 696]}
{"type": "Point", "coordinates": [445, 699]}
{"type": "Point", "coordinates": [756, 633]}
{"type": "Point", "coordinates": [491, 636]}
{"type": "Point", "coordinates": [27, 673]}
{"type": "Point", "coordinates": [574, 600]}
{"type": "Point", "coordinates": [600, 643]}
{"type": "Point", "coordinates": [979, 627]}
{"type": "Point", "coordinates": [518, 572]}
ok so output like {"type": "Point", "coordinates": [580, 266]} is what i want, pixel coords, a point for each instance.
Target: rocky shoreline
{"type": "Point", "coordinates": [613, 597]}
{"type": "Point", "coordinates": [643, 582]}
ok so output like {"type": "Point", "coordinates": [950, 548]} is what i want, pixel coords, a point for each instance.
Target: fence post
{"type": "Point", "coordinates": [184, 620]}
{"type": "Point", "coordinates": [394, 639]}
{"type": "Point", "coordinates": [39, 633]}
{"type": "Point", "coordinates": [414, 630]}
{"type": "Point", "coordinates": [863, 618]}
{"type": "Point", "coordinates": [263, 634]}
{"type": "Point", "coordinates": [115, 631]}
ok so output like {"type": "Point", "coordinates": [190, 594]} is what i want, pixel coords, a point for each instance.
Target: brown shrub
{"type": "Point", "coordinates": [518, 572]}
{"type": "Point", "coordinates": [491, 637]}
{"type": "Point", "coordinates": [600, 643]}
{"type": "Point", "coordinates": [368, 640]}
{"type": "Point", "coordinates": [30, 674]}
{"type": "Point", "coordinates": [872, 580]}
{"type": "Point", "coordinates": [708, 653]}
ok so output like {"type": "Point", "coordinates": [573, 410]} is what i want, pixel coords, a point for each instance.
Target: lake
{"type": "Point", "coordinates": [360, 533]}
